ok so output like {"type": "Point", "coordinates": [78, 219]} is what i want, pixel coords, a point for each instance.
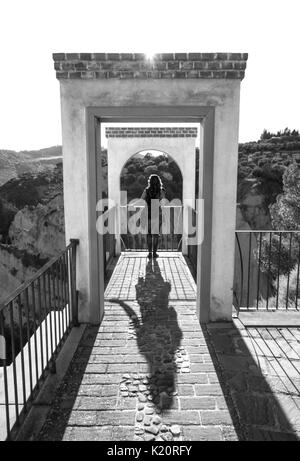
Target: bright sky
{"type": "Point", "coordinates": [31, 30]}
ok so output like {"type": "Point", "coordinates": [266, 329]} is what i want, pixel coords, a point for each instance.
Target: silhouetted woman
{"type": "Point", "coordinates": [154, 191]}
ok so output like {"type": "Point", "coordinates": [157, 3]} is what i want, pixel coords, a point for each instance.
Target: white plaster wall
{"type": "Point", "coordinates": [182, 150]}
{"type": "Point", "coordinates": [76, 95]}
{"type": "Point", "coordinates": [224, 207]}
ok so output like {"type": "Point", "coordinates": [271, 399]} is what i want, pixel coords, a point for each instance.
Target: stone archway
{"type": "Point", "coordinates": [171, 87]}
{"type": "Point", "coordinates": [179, 142]}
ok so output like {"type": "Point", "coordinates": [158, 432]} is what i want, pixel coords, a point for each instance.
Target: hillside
{"type": "Point", "coordinates": [13, 164]}
{"type": "Point", "coordinates": [281, 150]}
{"type": "Point", "coordinates": [27, 190]}
{"type": "Point", "coordinates": [31, 225]}
{"type": "Point", "coordinates": [260, 171]}
{"type": "Point", "coordinates": [31, 197]}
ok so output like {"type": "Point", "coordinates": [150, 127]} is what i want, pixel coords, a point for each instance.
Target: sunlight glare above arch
{"type": "Point", "coordinates": [150, 55]}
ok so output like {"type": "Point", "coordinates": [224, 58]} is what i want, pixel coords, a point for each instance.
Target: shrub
{"type": "Point", "coordinates": [129, 179]}
{"type": "Point", "coordinates": [278, 257]}
{"type": "Point", "coordinates": [261, 163]}
{"type": "Point", "coordinates": [163, 165]}
{"type": "Point", "coordinates": [288, 293]}
{"type": "Point", "coordinates": [142, 180]}
{"type": "Point", "coordinates": [257, 172]}
{"type": "Point", "coordinates": [151, 169]}
{"type": "Point", "coordinates": [243, 172]}
{"type": "Point", "coordinates": [285, 213]}
{"type": "Point", "coordinates": [167, 175]}
{"type": "Point", "coordinates": [131, 168]}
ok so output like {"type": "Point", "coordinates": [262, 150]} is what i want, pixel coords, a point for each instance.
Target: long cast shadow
{"type": "Point", "coordinates": [261, 407]}
{"type": "Point", "coordinates": [157, 333]}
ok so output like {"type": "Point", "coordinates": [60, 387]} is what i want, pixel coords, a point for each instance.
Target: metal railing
{"type": "Point", "coordinates": [193, 249]}
{"type": "Point", "coordinates": [171, 241]}
{"type": "Point", "coordinates": [35, 321]}
{"type": "Point", "coordinates": [267, 266]}
{"type": "Point", "coordinates": [109, 243]}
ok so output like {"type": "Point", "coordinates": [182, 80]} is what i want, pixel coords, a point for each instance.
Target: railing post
{"type": "Point", "coordinates": [74, 299]}
{"type": "Point", "coordinates": [4, 358]}
{"type": "Point", "coordinates": [104, 238]}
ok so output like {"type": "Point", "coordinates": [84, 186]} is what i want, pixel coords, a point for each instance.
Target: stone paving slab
{"type": "Point", "coordinates": [151, 372]}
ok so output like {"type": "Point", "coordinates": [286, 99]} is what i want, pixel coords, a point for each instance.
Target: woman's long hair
{"type": "Point", "coordinates": [154, 185]}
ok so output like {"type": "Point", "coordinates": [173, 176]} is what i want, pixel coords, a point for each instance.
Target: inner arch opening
{"type": "Point", "coordinates": [134, 179]}
{"type": "Point", "coordinates": [136, 171]}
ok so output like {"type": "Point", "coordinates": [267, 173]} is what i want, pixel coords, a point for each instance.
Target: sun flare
{"type": "Point", "coordinates": [150, 55]}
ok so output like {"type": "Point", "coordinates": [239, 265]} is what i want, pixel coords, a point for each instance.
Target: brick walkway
{"type": "Point", "coordinates": [150, 372]}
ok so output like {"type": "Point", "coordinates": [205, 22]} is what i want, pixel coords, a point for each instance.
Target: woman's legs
{"type": "Point", "coordinates": [149, 244]}
{"type": "Point", "coordinates": [155, 245]}
{"type": "Point", "coordinates": [152, 241]}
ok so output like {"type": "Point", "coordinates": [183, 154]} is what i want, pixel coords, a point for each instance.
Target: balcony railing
{"type": "Point", "coordinates": [193, 249]}
{"type": "Point", "coordinates": [170, 241]}
{"type": "Point", "coordinates": [109, 243]}
{"type": "Point", "coordinates": [34, 322]}
{"type": "Point", "coordinates": [267, 265]}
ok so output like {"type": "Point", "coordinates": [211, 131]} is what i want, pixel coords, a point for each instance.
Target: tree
{"type": "Point", "coordinates": [286, 132]}
{"type": "Point", "coordinates": [285, 212]}
{"type": "Point", "coordinates": [265, 135]}
{"type": "Point", "coordinates": [280, 255]}
{"type": "Point", "coordinates": [269, 178]}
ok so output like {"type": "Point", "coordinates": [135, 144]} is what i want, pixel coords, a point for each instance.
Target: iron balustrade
{"type": "Point", "coordinates": [193, 249]}
{"type": "Point", "coordinates": [35, 321]}
{"type": "Point", "coordinates": [267, 266]}
{"type": "Point", "coordinates": [109, 243]}
{"type": "Point", "coordinates": [171, 241]}
{"type": "Point", "coordinates": [108, 238]}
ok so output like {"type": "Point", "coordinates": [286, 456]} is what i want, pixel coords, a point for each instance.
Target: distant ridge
{"type": "Point", "coordinates": [14, 164]}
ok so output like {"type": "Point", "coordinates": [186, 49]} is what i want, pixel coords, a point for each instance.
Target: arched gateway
{"type": "Point", "coordinates": [179, 142]}
{"type": "Point", "coordinates": [199, 88]}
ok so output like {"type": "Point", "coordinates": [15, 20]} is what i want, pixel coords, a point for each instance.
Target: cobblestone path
{"type": "Point", "coordinates": [150, 372]}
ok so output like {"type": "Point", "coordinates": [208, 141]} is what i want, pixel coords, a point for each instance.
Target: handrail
{"type": "Point", "coordinates": [143, 206]}
{"type": "Point", "coordinates": [170, 241]}
{"type": "Point", "coordinates": [269, 268]}
{"type": "Point", "coordinates": [242, 274]}
{"type": "Point", "coordinates": [35, 321]}
{"type": "Point", "coordinates": [255, 231]}
{"type": "Point", "coordinates": [41, 271]}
